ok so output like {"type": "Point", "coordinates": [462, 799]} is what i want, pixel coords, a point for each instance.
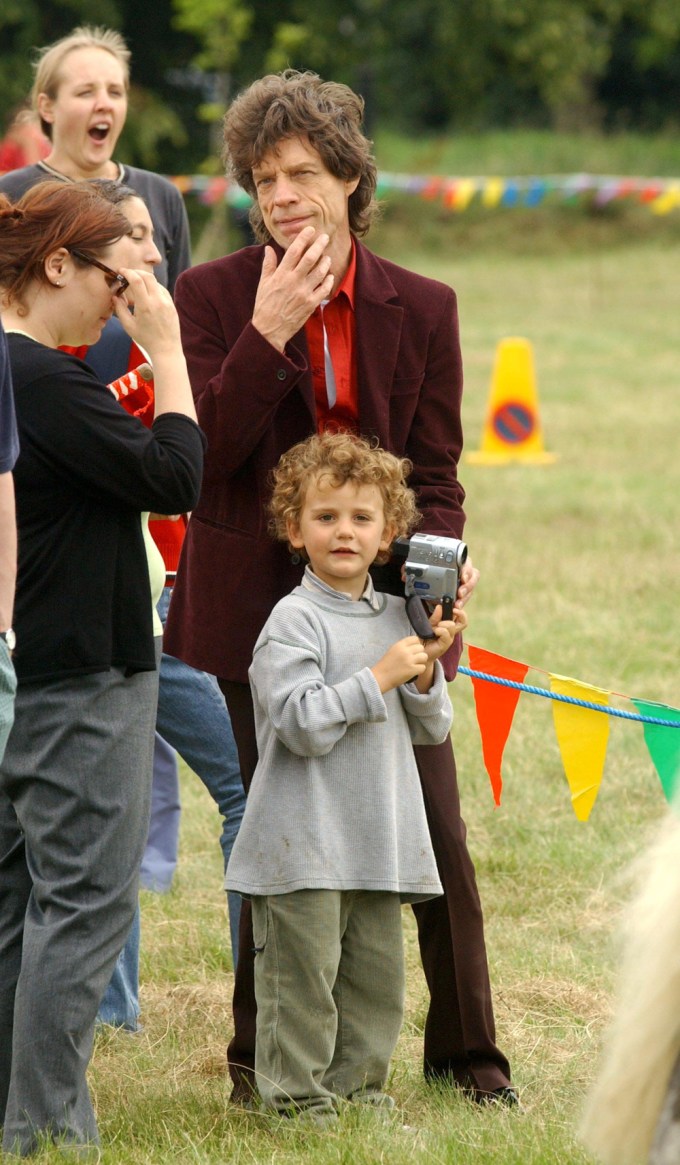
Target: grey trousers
{"type": "Point", "coordinates": [329, 983]}
{"type": "Point", "coordinates": [8, 687]}
{"type": "Point", "coordinates": [74, 814]}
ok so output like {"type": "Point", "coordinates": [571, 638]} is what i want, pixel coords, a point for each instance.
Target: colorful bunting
{"type": "Point", "coordinates": [495, 708]}
{"type": "Point", "coordinates": [582, 736]}
{"type": "Point", "coordinates": [581, 716]}
{"type": "Point", "coordinates": [457, 193]}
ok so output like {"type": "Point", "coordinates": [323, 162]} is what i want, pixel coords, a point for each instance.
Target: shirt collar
{"type": "Point", "coordinates": [311, 582]}
{"type": "Point", "coordinates": [347, 282]}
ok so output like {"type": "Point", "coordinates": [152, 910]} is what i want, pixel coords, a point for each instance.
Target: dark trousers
{"type": "Point", "coordinates": [460, 1037]}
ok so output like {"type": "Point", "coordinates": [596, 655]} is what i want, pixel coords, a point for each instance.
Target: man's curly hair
{"type": "Point", "coordinates": [339, 458]}
{"type": "Point", "coordinates": [295, 104]}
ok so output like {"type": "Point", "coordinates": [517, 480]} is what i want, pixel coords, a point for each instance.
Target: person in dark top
{"type": "Point", "coordinates": [75, 780]}
{"type": "Point", "coordinates": [9, 450]}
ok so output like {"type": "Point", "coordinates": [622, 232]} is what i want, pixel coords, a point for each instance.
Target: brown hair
{"type": "Point", "coordinates": [341, 457]}
{"type": "Point", "coordinates": [51, 215]}
{"type": "Point", "coordinates": [293, 104]}
{"type": "Point", "coordinates": [48, 66]}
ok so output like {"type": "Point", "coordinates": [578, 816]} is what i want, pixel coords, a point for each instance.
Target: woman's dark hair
{"type": "Point", "coordinates": [49, 216]}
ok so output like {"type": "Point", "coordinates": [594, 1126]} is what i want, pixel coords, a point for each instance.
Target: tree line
{"type": "Point", "coordinates": [423, 66]}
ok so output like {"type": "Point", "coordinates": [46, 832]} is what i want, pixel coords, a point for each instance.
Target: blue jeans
{"type": "Point", "coordinates": [192, 717]}
{"type": "Point", "coordinates": [162, 845]}
{"type": "Point", "coordinates": [120, 1005]}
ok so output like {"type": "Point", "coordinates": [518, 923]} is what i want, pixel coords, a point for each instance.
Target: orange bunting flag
{"type": "Point", "coordinates": [582, 735]}
{"type": "Point", "coordinates": [495, 706]}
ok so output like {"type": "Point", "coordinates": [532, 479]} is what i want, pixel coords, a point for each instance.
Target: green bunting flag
{"type": "Point", "coordinates": [662, 743]}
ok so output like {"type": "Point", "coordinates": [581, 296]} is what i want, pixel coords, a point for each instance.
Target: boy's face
{"type": "Point", "coordinates": [342, 529]}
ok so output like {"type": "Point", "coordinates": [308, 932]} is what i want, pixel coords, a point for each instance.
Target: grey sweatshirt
{"type": "Point", "coordinates": [336, 801]}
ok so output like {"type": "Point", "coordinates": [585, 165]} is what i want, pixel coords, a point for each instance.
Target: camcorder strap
{"type": "Point", "coordinates": [417, 616]}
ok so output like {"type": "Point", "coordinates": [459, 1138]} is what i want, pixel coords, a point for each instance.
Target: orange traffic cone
{"type": "Point", "coordinates": [512, 429]}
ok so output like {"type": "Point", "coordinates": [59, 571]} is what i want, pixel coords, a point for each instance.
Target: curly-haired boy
{"type": "Point", "coordinates": [335, 836]}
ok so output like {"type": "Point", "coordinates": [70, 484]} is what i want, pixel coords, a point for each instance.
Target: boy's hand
{"type": "Point", "coordinates": [445, 631]}
{"type": "Point", "coordinates": [404, 660]}
{"type": "Point", "coordinates": [411, 659]}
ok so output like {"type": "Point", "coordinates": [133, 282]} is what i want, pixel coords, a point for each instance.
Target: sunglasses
{"type": "Point", "coordinates": [117, 283]}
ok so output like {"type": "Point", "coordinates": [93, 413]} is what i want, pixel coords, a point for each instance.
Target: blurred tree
{"type": "Point", "coordinates": [431, 63]}
{"type": "Point", "coordinates": [641, 87]}
{"type": "Point", "coordinates": [420, 64]}
{"type": "Point", "coordinates": [27, 24]}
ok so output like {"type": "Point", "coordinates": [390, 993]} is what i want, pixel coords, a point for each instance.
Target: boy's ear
{"type": "Point", "coordinates": [389, 534]}
{"type": "Point", "coordinates": [294, 536]}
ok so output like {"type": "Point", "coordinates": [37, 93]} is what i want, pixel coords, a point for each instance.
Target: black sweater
{"type": "Point", "coordinates": [85, 472]}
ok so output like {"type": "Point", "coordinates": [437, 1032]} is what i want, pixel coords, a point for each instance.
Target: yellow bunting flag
{"type": "Point", "coordinates": [492, 192]}
{"type": "Point", "coordinates": [582, 735]}
{"type": "Point", "coordinates": [464, 193]}
{"type": "Point", "coordinates": [183, 182]}
{"type": "Point", "coordinates": [668, 200]}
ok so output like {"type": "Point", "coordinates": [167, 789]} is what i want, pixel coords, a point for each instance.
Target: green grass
{"type": "Point", "coordinates": [579, 577]}
{"type": "Point", "coordinates": [515, 152]}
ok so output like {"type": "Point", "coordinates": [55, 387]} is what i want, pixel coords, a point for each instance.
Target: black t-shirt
{"type": "Point", "coordinates": [9, 441]}
{"type": "Point", "coordinates": [85, 472]}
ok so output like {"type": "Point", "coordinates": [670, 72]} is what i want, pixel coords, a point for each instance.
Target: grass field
{"type": "Point", "coordinates": [579, 577]}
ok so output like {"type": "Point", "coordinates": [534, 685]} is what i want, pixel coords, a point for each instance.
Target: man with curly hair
{"type": "Point", "coordinates": [309, 331]}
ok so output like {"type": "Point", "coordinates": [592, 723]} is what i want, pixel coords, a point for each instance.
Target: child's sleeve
{"type": "Point", "coordinates": [308, 715]}
{"type": "Point", "coordinates": [429, 714]}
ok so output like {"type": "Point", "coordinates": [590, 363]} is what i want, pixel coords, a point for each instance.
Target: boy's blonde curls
{"type": "Point", "coordinates": [341, 457]}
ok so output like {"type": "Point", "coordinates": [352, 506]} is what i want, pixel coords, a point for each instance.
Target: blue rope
{"type": "Point", "coordinates": [480, 675]}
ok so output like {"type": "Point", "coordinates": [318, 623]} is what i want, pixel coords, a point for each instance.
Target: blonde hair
{"type": "Point", "coordinates": [642, 1045]}
{"type": "Point", "coordinates": [341, 457]}
{"type": "Point", "coordinates": [48, 65]}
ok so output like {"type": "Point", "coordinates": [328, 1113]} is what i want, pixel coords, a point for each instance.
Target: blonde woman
{"type": "Point", "coordinates": [80, 94]}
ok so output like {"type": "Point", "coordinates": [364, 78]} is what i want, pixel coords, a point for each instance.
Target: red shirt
{"type": "Point", "coordinates": [338, 318]}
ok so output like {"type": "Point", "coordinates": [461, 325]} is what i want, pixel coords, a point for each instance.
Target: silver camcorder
{"type": "Point", "coordinates": [431, 574]}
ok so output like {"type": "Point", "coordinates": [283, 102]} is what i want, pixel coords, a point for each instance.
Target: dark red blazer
{"type": "Point", "coordinates": [253, 403]}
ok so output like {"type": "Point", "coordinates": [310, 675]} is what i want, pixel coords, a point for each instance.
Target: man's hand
{"type": "Point", "coordinates": [469, 577]}
{"type": "Point", "coordinates": [288, 292]}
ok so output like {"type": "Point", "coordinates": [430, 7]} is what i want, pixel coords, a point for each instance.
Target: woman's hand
{"type": "Point", "coordinates": [154, 324]}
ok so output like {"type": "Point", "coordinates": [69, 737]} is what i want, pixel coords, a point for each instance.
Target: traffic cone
{"type": "Point", "coordinates": [512, 429]}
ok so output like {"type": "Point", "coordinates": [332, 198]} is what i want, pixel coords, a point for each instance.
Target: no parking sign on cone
{"type": "Point", "coordinates": [512, 429]}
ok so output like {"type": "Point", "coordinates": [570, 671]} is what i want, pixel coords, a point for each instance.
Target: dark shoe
{"type": "Point", "coordinates": [505, 1095]}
